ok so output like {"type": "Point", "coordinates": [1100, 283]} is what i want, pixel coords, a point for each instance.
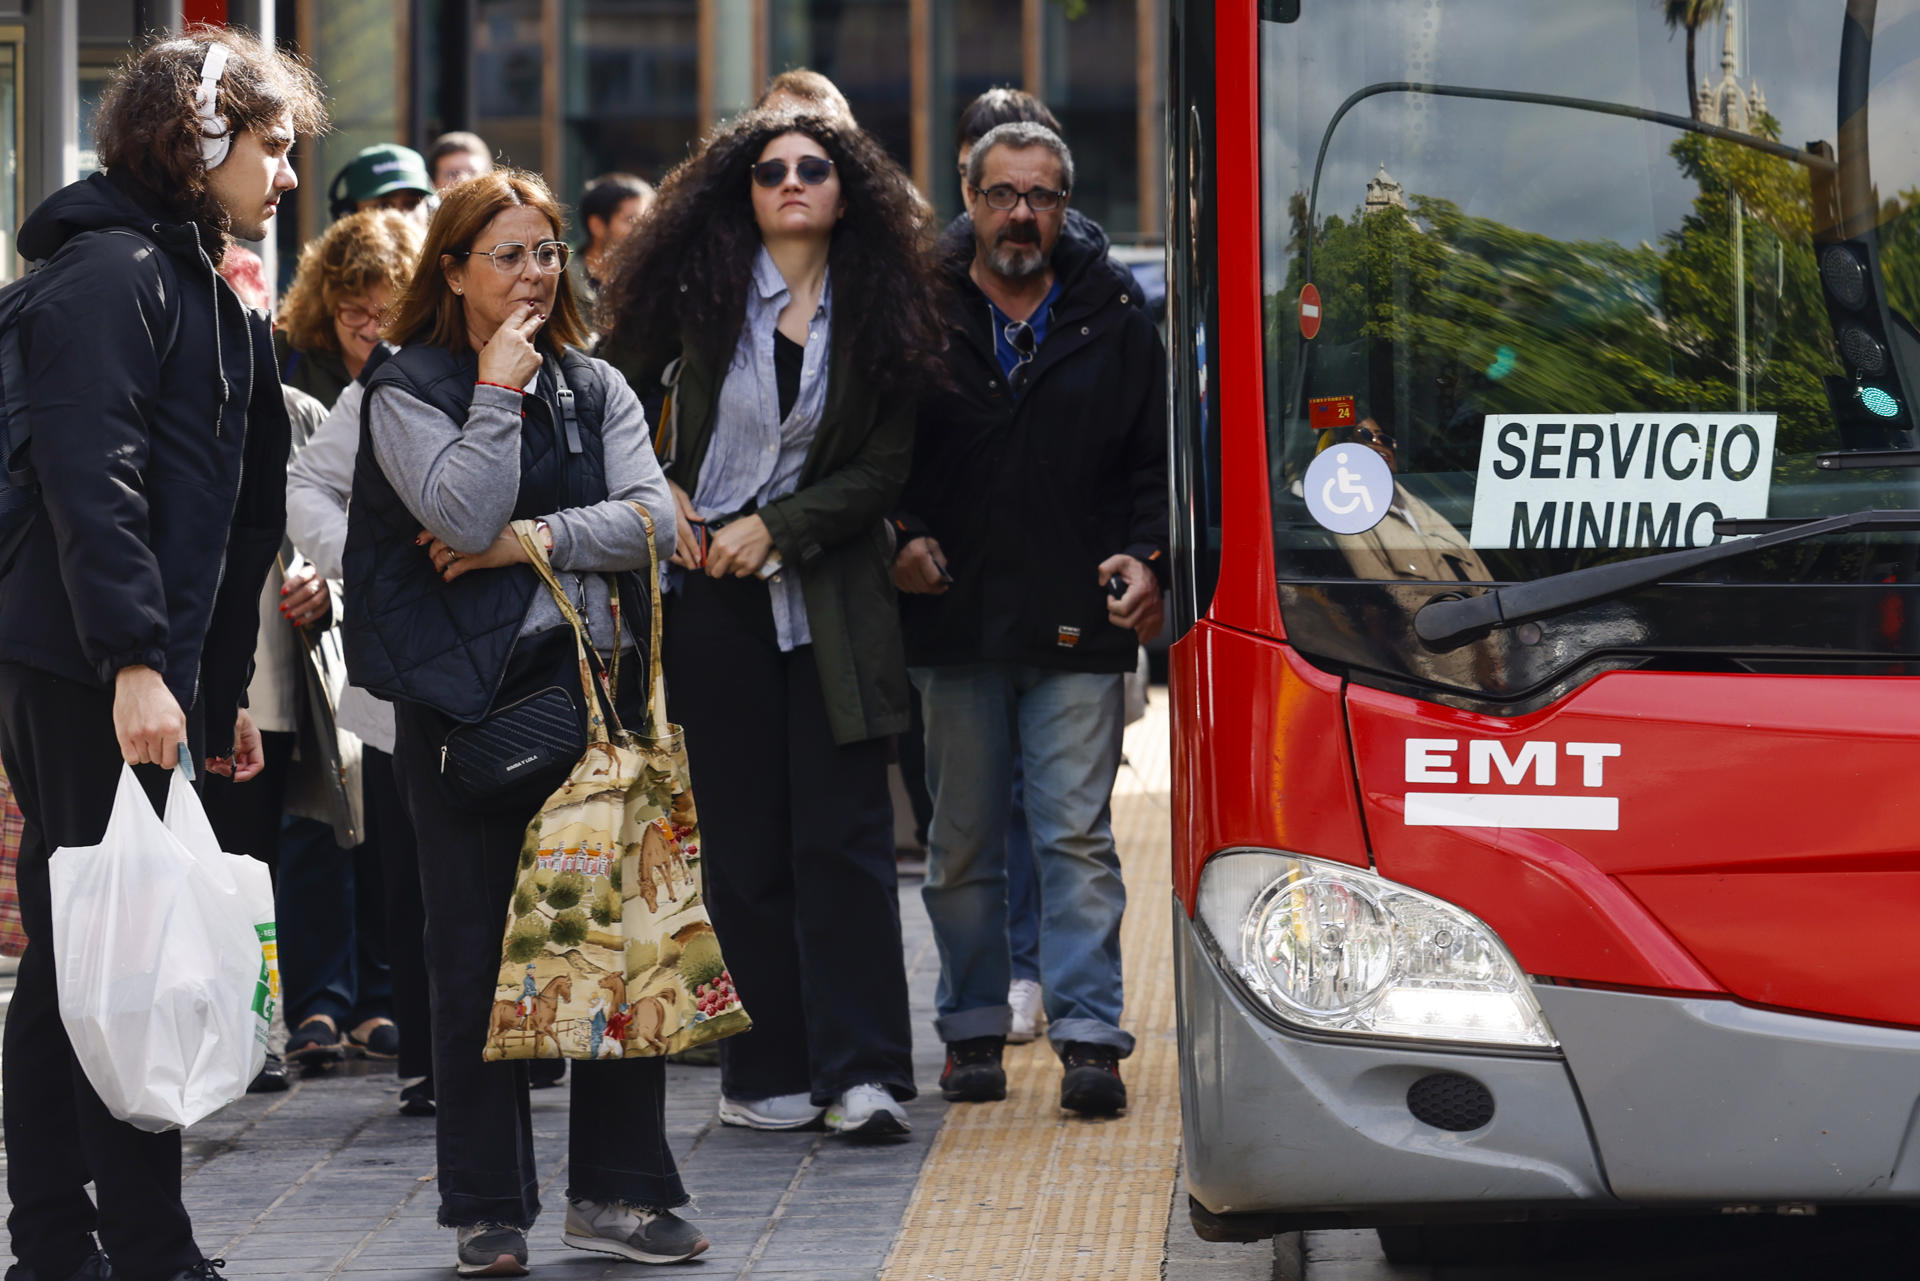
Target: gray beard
{"type": "Point", "coordinates": [1008, 261]}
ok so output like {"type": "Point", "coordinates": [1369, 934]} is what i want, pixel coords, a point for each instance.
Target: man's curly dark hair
{"type": "Point", "coordinates": [145, 126]}
{"type": "Point", "coordinates": [686, 270]}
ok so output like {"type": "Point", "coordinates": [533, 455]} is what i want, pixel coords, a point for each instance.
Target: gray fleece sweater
{"type": "Point", "coordinates": [461, 481]}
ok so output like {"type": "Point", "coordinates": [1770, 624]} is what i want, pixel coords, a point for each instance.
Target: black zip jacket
{"type": "Point", "coordinates": [1028, 496]}
{"type": "Point", "coordinates": [160, 441]}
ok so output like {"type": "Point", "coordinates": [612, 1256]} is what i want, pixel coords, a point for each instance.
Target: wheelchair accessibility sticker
{"type": "Point", "coordinates": [1348, 489]}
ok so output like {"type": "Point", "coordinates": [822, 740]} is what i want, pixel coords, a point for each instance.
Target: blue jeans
{"type": "Point", "coordinates": [332, 928]}
{"type": "Point", "coordinates": [1023, 886]}
{"type": "Point", "coordinates": [1065, 727]}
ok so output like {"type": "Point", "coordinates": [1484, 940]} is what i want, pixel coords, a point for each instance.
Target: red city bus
{"type": "Point", "coordinates": [1545, 479]}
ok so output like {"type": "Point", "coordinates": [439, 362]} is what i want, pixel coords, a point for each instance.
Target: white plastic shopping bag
{"type": "Point", "coordinates": [160, 960]}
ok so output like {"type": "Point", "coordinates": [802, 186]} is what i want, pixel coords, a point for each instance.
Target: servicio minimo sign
{"type": "Point", "coordinates": [1651, 480]}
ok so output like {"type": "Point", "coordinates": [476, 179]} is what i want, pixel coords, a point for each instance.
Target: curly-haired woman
{"type": "Point", "coordinates": [329, 322]}
{"type": "Point", "coordinates": [784, 267]}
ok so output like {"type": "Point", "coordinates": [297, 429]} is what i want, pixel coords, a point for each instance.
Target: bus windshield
{"type": "Point", "coordinates": [1553, 286]}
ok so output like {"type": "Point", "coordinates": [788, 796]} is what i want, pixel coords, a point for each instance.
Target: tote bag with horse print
{"type": "Point", "coordinates": [608, 951]}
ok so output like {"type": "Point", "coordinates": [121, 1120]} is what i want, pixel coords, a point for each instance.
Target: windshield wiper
{"type": "Point", "coordinates": [1445, 622]}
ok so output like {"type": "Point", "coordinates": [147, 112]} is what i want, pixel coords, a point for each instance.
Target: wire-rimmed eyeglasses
{"type": "Point", "coordinates": [509, 256]}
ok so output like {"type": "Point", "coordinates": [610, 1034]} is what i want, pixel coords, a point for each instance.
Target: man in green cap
{"type": "Point", "coordinates": [384, 176]}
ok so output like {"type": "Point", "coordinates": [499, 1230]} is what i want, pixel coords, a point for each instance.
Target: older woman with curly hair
{"type": "Point", "coordinates": [330, 319]}
{"type": "Point", "coordinates": [784, 268]}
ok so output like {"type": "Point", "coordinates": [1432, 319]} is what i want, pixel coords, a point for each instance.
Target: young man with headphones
{"type": "Point", "coordinates": [128, 613]}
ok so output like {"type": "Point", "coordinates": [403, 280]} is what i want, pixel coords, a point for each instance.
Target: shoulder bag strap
{"type": "Point", "coordinates": [589, 657]}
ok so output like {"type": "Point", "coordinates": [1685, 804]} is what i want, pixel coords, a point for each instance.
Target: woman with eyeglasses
{"type": "Point", "coordinates": [783, 268]}
{"type": "Point", "coordinates": [329, 322]}
{"type": "Point", "coordinates": [488, 413]}
{"type": "Point", "coordinates": [346, 977]}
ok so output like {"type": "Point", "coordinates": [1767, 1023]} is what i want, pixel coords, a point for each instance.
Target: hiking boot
{"type": "Point", "coordinates": [1092, 1084]}
{"type": "Point", "coordinates": [973, 1073]}
{"type": "Point", "coordinates": [490, 1250]}
{"type": "Point", "coordinates": [644, 1236]}
{"type": "Point", "coordinates": [1024, 998]}
{"type": "Point", "coordinates": [867, 1112]}
{"type": "Point", "coordinates": [781, 1112]}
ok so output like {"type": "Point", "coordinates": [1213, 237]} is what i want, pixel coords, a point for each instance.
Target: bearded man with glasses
{"type": "Point", "coordinates": [1033, 543]}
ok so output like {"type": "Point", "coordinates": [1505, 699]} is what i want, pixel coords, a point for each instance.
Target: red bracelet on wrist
{"type": "Point", "coordinates": [518, 391]}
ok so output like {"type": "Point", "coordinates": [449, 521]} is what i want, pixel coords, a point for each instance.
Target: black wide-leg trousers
{"type": "Point", "coordinates": [797, 848]}
{"type": "Point", "coordinates": [616, 1129]}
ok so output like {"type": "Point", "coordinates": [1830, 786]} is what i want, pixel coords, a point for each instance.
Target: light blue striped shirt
{"type": "Point", "coordinates": [756, 456]}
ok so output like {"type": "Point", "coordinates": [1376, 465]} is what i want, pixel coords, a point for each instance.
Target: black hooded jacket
{"type": "Point", "coordinates": [1027, 496]}
{"type": "Point", "coordinates": [160, 441]}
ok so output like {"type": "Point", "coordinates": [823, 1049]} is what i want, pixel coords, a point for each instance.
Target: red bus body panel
{"type": "Point", "coordinates": [1768, 840]}
{"type": "Point", "coordinates": [1260, 754]}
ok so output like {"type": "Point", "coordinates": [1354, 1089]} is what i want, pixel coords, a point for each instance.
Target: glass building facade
{"type": "Point", "coordinates": [577, 88]}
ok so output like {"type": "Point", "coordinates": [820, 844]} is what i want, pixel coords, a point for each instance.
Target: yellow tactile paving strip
{"type": "Point", "coordinates": [1023, 1191]}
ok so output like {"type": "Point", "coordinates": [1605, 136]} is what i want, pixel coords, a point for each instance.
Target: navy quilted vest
{"type": "Point", "coordinates": [410, 636]}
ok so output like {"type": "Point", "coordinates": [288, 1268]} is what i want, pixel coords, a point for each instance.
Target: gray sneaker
{"type": "Point", "coordinates": [867, 1112]}
{"type": "Point", "coordinates": [644, 1236]}
{"type": "Point", "coordinates": [490, 1250]}
{"type": "Point", "coordinates": [781, 1112]}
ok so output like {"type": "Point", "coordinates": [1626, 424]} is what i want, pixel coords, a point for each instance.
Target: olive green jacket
{"type": "Point", "coordinates": [832, 530]}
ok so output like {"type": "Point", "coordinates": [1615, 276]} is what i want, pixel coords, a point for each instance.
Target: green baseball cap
{"type": "Point", "coordinates": [376, 171]}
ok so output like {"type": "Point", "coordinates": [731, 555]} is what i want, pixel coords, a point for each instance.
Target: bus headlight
{"type": "Point", "coordinates": [1333, 948]}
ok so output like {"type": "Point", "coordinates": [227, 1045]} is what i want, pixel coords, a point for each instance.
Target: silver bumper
{"type": "Point", "coordinates": [1660, 1101]}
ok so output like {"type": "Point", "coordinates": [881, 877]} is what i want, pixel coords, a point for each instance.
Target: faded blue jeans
{"type": "Point", "coordinates": [1066, 728]}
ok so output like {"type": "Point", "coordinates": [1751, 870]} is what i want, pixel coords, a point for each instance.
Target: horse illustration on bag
{"type": "Point", "coordinates": [507, 1018]}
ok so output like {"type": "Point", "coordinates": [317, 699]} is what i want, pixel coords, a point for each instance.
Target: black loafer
{"type": "Point", "coordinates": [272, 1078]}
{"type": "Point", "coordinates": [417, 1099]}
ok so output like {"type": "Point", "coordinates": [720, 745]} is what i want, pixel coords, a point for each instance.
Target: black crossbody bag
{"type": "Point", "coordinates": [510, 762]}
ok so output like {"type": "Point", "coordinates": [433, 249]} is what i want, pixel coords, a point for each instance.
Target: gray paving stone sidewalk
{"type": "Point", "coordinates": [328, 1180]}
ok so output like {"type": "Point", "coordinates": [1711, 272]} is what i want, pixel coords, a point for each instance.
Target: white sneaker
{"type": "Point", "coordinates": [781, 1112]}
{"type": "Point", "coordinates": [1024, 997]}
{"type": "Point", "coordinates": [868, 1112]}
{"type": "Point", "coordinates": [644, 1236]}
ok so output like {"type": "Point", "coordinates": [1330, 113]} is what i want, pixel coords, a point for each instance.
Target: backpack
{"type": "Point", "coordinates": [19, 485]}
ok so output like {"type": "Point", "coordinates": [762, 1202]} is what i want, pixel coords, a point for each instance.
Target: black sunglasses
{"type": "Point", "coordinates": [813, 170]}
{"type": "Point", "coordinates": [1019, 336]}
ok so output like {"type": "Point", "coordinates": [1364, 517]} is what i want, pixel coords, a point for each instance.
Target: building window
{"type": "Point", "coordinates": [1091, 84]}
{"type": "Point", "coordinates": [976, 46]}
{"type": "Point", "coordinates": [863, 47]}
{"type": "Point", "coordinates": [507, 79]}
{"type": "Point", "coordinates": [632, 87]}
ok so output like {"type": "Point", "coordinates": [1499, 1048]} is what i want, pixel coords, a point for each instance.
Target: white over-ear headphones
{"type": "Point", "coordinates": [216, 140]}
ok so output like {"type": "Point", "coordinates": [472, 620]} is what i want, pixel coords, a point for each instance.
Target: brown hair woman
{"type": "Point", "coordinates": [466, 428]}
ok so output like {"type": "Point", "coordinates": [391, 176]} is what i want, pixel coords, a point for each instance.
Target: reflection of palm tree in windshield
{"type": "Point", "coordinates": [1691, 15]}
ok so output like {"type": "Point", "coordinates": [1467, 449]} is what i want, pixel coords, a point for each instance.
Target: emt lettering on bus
{"type": "Point", "coordinates": [1431, 760]}
{"type": "Point", "coordinates": [1653, 481]}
